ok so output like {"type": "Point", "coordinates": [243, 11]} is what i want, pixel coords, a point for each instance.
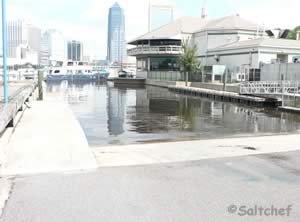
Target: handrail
{"type": "Point", "coordinates": [270, 87]}
{"type": "Point", "coordinates": [156, 49]}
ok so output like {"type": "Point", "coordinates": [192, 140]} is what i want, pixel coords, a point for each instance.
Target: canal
{"type": "Point", "coordinates": [119, 115]}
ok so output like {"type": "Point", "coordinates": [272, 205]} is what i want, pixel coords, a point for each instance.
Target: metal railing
{"type": "Point", "coordinates": [155, 50]}
{"type": "Point", "coordinates": [165, 75]}
{"type": "Point", "coordinates": [271, 88]}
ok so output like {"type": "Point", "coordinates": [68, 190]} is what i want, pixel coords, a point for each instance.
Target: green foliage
{"type": "Point", "coordinates": [292, 34]}
{"type": "Point", "coordinates": [188, 59]}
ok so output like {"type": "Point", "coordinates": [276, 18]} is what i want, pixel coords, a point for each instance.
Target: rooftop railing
{"type": "Point", "coordinates": [144, 50]}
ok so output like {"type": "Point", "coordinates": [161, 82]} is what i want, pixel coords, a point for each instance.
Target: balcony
{"type": "Point", "coordinates": [155, 50]}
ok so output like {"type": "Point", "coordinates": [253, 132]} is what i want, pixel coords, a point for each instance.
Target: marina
{"type": "Point", "coordinates": [120, 115]}
{"type": "Point", "coordinates": [101, 120]}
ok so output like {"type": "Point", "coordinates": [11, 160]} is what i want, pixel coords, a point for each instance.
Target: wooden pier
{"type": "Point", "coordinates": [225, 96]}
{"type": "Point", "coordinates": [19, 93]}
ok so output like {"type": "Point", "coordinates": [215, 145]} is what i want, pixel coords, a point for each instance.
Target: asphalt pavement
{"type": "Point", "coordinates": [247, 188]}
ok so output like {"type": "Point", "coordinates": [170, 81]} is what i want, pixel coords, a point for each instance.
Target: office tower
{"type": "Point", "coordinates": [75, 51]}
{"type": "Point", "coordinates": [116, 43]}
{"type": "Point", "coordinates": [53, 47]}
{"type": "Point", "coordinates": [22, 34]}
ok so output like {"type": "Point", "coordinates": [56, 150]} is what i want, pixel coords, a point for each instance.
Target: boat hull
{"type": "Point", "coordinates": [93, 77]}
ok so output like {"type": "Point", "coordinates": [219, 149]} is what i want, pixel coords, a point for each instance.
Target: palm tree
{"type": "Point", "coordinates": [188, 59]}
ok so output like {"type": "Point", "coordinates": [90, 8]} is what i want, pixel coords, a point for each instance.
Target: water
{"type": "Point", "coordinates": [114, 115]}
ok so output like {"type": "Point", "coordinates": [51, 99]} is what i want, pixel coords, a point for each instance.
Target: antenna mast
{"type": "Point", "coordinates": [203, 10]}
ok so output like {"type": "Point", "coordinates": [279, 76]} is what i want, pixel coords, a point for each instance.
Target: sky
{"type": "Point", "coordinates": [86, 20]}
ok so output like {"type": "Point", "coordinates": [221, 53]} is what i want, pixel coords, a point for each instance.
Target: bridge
{"type": "Point", "coordinates": [275, 88]}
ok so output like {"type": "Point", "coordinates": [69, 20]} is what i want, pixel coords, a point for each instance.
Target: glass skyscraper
{"type": "Point", "coordinates": [75, 51]}
{"type": "Point", "coordinates": [116, 43]}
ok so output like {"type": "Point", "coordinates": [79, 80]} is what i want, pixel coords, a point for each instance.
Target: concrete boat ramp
{"type": "Point", "coordinates": [48, 138]}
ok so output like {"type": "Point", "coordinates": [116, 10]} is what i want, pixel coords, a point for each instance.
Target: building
{"type": "Point", "coordinates": [157, 52]}
{"type": "Point", "coordinates": [116, 41]}
{"type": "Point", "coordinates": [53, 47]}
{"type": "Point", "coordinates": [230, 45]}
{"type": "Point", "coordinates": [75, 51]}
{"type": "Point", "coordinates": [159, 15]}
{"type": "Point", "coordinates": [22, 34]}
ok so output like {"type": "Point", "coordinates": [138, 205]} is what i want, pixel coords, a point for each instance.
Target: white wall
{"type": "Point", "coordinates": [267, 57]}
{"type": "Point", "coordinates": [273, 72]}
{"type": "Point", "coordinates": [211, 40]}
{"type": "Point", "coordinates": [237, 60]}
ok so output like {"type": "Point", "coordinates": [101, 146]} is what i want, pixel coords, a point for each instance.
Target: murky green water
{"type": "Point", "coordinates": [111, 115]}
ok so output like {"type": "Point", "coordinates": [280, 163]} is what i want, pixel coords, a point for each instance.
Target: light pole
{"type": "Point", "coordinates": [4, 46]}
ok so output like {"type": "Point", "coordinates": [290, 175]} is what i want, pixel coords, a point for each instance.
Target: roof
{"type": "Point", "coordinates": [229, 23]}
{"type": "Point", "coordinates": [260, 42]}
{"type": "Point", "coordinates": [186, 25]}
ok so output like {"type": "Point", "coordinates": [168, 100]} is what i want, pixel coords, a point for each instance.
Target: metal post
{"type": "Point", "coordinates": [4, 46]}
{"type": "Point", "coordinates": [40, 85]}
{"type": "Point", "coordinates": [225, 79]}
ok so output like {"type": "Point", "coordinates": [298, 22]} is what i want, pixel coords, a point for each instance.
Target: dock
{"type": "Point", "coordinates": [225, 96]}
{"type": "Point", "coordinates": [289, 109]}
{"type": "Point", "coordinates": [19, 93]}
{"type": "Point", "coordinates": [129, 81]}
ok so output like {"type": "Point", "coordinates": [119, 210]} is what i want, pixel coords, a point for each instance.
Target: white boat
{"type": "Point", "coordinates": [74, 71]}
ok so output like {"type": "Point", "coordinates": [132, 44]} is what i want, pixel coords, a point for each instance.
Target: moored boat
{"type": "Point", "coordinates": [76, 71]}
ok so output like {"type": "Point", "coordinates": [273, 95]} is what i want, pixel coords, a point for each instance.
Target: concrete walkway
{"type": "Point", "coordinates": [48, 139]}
{"type": "Point", "coordinates": [194, 150]}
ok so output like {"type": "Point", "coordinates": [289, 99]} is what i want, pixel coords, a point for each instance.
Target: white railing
{"type": "Point", "coordinates": [270, 88]}
{"type": "Point", "coordinates": [155, 50]}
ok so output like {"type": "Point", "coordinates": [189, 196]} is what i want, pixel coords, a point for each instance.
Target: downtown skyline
{"type": "Point", "coordinates": [90, 18]}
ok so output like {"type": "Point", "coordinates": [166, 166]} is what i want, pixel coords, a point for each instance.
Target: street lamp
{"type": "Point", "coordinates": [4, 46]}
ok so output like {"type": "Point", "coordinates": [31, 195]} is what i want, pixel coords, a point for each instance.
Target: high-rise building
{"type": "Point", "coordinates": [53, 47]}
{"type": "Point", "coordinates": [22, 33]}
{"type": "Point", "coordinates": [116, 43]}
{"type": "Point", "coordinates": [75, 51]}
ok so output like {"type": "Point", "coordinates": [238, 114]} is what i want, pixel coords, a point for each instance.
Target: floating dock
{"type": "Point", "coordinates": [129, 81]}
{"type": "Point", "coordinates": [289, 109]}
{"type": "Point", "coordinates": [19, 93]}
{"type": "Point", "coordinates": [225, 96]}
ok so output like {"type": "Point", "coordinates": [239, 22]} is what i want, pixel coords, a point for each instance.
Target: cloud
{"type": "Point", "coordinates": [84, 20]}
{"type": "Point", "coordinates": [87, 20]}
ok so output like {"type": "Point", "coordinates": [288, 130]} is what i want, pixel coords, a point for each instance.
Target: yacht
{"type": "Point", "coordinates": [75, 71]}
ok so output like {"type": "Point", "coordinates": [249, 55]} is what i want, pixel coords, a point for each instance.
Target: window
{"type": "Point", "coordinates": [164, 64]}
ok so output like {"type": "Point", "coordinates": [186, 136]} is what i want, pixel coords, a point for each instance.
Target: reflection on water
{"type": "Point", "coordinates": [111, 115]}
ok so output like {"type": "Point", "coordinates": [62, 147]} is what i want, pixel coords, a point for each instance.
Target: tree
{"type": "Point", "coordinates": [188, 59]}
{"type": "Point", "coordinates": [293, 33]}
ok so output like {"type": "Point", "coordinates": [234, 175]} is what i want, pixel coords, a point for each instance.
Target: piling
{"type": "Point", "coordinates": [40, 85]}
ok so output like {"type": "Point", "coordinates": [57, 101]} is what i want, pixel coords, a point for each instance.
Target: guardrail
{"type": "Point", "coordinates": [155, 50]}
{"type": "Point", "coordinates": [16, 101]}
{"type": "Point", "coordinates": [270, 88]}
